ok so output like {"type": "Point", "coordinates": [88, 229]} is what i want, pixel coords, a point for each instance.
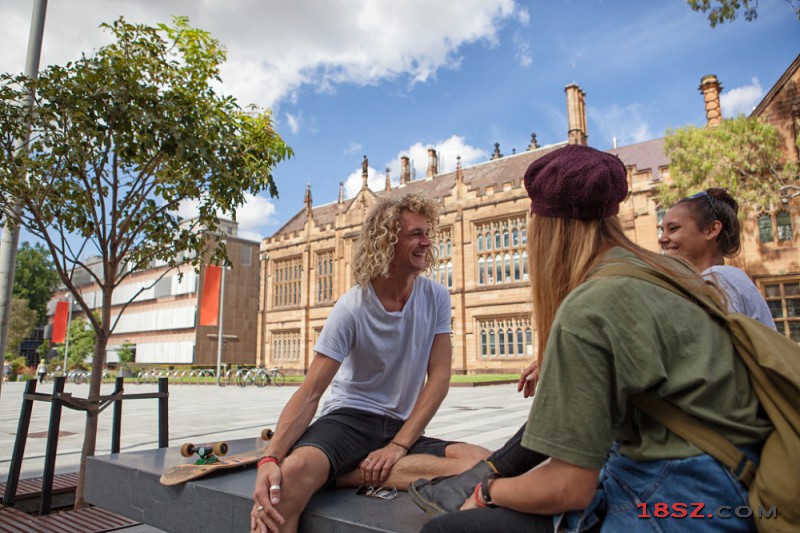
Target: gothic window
{"type": "Point", "coordinates": [325, 277]}
{"type": "Point", "coordinates": [505, 338]}
{"type": "Point", "coordinates": [287, 278]}
{"type": "Point", "coordinates": [502, 259]}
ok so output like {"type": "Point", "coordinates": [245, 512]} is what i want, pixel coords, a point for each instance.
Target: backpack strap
{"type": "Point", "coordinates": [700, 435]}
{"type": "Point", "coordinates": [668, 415]}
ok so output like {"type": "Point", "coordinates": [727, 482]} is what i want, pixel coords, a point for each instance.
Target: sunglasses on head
{"type": "Point", "coordinates": [710, 201]}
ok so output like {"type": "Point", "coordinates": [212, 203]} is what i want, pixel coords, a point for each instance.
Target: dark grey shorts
{"type": "Point", "coordinates": [346, 436]}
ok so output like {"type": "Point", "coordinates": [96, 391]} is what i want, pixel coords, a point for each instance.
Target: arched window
{"type": "Point", "coordinates": [783, 223]}
{"type": "Point", "coordinates": [524, 236]}
{"type": "Point", "coordinates": [497, 244]}
{"type": "Point", "coordinates": [484, 347]}
{"type": "Point", "coordinates": [441, 248]}
{"type": "Point", "coordinates": [481, 277]}
{"type": "Point", "coordinates": [529, 339]}
{"type": "Point", "coordinates": [507, 267]}
{"type": "Point", "coordinates": [480, 242]}
{"type": "Point", "coordinates": [520, 341]}
{"type": "Point", "coordinates": [491, 342]}
{"type": "Point", "coordinates": [488, 241]}
{"type": "Point", "coordinates": [449, 273]}
{"type": "Point", "coordinates": [489, 270]}
{"type": "Point", "coordinates": [525, 266]}
{"type": "Point", "coordinates": [498, 269]}
{"type": "Point", "coordinates": [501, 341]}
{"type": "Point", "coordinates": [517, 269]}
{"type": "Point", "coordinates": [506, 242]}
{"type": "Point", "coordinates": [448, 247]}
{"type": "Point", "coordinates": [515, 237]}
{"type": "Point", "coordinates": [765, 234]}
{"type": "Point", "coordinates": [510, 341]}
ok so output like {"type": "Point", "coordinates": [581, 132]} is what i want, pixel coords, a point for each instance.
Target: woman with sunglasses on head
{"type": "Point", "coordinates": [601, 342]}
{"type": "Point", "coordinates": [704, 228]}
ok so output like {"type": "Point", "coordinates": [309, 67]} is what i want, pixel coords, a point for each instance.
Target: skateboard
{"type": "Point", "coordinates": [211, 457]}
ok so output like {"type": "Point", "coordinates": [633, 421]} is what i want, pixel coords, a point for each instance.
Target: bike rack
{"type": "Point", "coordinates": [59, 399]}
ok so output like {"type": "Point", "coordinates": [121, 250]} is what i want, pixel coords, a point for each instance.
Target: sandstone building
{"type": "Point", "coordinates": [482, 258]}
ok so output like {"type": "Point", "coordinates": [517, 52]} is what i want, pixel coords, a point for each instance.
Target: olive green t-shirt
{"type": "Point", "coordinates": [616, 337]}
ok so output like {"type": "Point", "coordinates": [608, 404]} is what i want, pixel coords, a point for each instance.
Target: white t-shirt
{"type": "Point", "coordinates": [384, 355]}
{"type": "Point", "coordinates": [742, 294]}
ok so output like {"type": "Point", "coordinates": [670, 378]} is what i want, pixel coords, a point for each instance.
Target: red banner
{"type": "Point", "coordinates": [209, 299]}
{"type": "Point", "coordinates": [60, 322]}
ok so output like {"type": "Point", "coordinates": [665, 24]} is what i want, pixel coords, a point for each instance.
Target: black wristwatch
{"type": "Point", "coordinates": [485, 487]}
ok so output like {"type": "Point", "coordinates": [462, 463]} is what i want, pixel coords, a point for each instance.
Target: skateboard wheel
{"type": "Point", "coordinates": [188, 449]}
{"type": "Point", "coordinates": [266, 434]}
{"type": "Point", "coordinates": [220, 448]}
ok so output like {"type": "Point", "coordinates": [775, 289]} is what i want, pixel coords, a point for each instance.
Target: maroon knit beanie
{"type": "Point", "coordinates": [576, 182]}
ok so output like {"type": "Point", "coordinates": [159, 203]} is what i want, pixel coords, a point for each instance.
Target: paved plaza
{"type": "Point", "coordinates": [485, 415]}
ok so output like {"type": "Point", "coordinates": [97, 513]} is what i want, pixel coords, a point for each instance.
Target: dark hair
{"type": "Point", "coordinates": [717, 204]}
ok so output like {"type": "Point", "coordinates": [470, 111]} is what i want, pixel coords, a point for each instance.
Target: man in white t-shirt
{"type": "Point", "coordinates": [381, 341]}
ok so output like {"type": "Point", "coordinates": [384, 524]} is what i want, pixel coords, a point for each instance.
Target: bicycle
{"type": "Point", "coordinates": [275, 376]}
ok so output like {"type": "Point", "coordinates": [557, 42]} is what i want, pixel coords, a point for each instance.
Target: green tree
{"type": "Point", "coordinates": [21, 323]}
{"type": "Point", "coordinates": [35, 278]}
{"type": "Point", "coordinates": [727, 10]}
{"type": "Point", "coordinates": [742, 155]}
{"type": "Point", "coordinates": [81, 343]}
{"type": "Point", "coordinates": [119, 139]}
{"type": "Point", "coordinates": [126, 353]}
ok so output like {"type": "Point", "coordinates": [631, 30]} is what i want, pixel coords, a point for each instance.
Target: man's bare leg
{"type": "Point", "coordinates": [458, 458]}
{"type": "Point", "coordinates": [304, 472]}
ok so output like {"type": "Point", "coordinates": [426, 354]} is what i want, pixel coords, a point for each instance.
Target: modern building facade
{"type": "Point", "coordinates": [307, 264]}
{"type": "Point", "coordinates": [161, 323]}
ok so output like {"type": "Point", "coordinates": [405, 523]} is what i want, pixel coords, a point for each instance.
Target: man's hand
{"type": "Point", "coordinates": [375, 468]}
{"type": "Point", "coordinates": [264, 517]}
{"type": "Point", "coordinates": [528, 379]}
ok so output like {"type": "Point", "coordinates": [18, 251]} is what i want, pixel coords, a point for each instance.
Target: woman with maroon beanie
{"type": "Point", "coordinates": [601, 341]}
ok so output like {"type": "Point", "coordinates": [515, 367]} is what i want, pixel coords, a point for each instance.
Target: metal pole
{"type": "Point", "coordinates": [10, 235]}
{"type": "Point", "coordinates": [221, 313]}
{"type": "Point", "coordinates": [116, 421]}
{"type": "Point", "coordinates": [69, 323]}
{"type": "Point", "coordinates": [49, 473]}
{"type": "Point", "coordinates": [14, 470]}
{"type": "Point", "coordinates": [163, 412]}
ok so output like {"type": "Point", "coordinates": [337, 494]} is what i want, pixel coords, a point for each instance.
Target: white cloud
{"type": "Point", "coordinates": [627, 124]}
{"type": "Point", "coordinates": [254, 216]}
{"type": "Point", "coordinates": [741, 100]}
{"type": "Point", "coordinates": [448, 151]}
{"type": "Point", "coordinates": [276, 47]}
{"type": "Point", "coordinates": [293, 121]}
{"type": "Point", "coordinates": [353, 148]}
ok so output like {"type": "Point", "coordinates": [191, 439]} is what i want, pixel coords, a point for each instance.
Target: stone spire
{"type": "Point", "coordinates": [388, 180]}
{"type": "Point", "coordinates": [308, 199]}
{"type": "Point", "coordinates": [534, 145]}
{"type": "Point", "coordinates": [497, 154]}
{"type": "Point", "coordinates": [364, 173]}
{"type": "Point", "coordinates": [341, 192]}
{"type": "Point", "coordinates": [576, 115]}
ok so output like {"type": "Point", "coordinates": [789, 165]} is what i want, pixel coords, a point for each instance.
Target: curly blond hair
{"type": "Point", "coordinates": [375, 246]}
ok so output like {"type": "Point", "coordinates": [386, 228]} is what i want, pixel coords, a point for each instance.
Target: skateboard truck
{"type": "Point", "coordinates": [207, 453]}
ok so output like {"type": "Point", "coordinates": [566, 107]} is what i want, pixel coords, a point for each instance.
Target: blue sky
{"type": "Point", "coordinates": [348, 78]}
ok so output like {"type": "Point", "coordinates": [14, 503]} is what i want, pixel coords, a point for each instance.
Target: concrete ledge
{"type": "Point", "coordinates": [127, 484]}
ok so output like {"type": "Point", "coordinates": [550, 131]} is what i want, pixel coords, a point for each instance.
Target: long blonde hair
{"type": "Point", "coordinates": [375, 246]}
{"type": "Point", "coordinates": [562, 252]}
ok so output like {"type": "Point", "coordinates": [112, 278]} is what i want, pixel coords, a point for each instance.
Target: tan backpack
{"type": "Point", "coordinates": [773, 362]}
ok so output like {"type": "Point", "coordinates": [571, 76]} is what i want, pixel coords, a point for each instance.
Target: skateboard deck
{"type": "Point", "coordinates": [190, 471]}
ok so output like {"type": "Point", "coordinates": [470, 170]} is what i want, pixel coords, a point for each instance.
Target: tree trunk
{"type": "Point", "coordinates": [90, 435]}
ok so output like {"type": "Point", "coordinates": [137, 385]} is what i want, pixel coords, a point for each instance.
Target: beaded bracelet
{"type": "Point", "coordinates": [268, 459]}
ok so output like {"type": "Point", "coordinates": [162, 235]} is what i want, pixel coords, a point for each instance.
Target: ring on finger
{"type": "Point", "coordinates": [367, 460]}
{"type": "Point", "coordinates": [260, 508]}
